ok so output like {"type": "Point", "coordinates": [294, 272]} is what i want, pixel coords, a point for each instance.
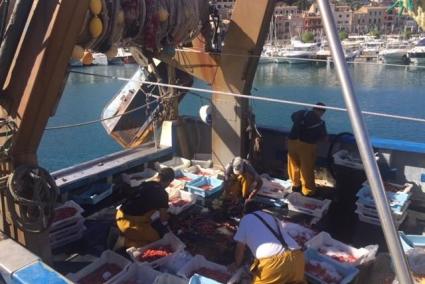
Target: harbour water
{"type": "Point", "coordinates": [395, 90]}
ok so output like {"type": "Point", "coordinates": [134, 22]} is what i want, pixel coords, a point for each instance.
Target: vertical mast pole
{"type": "Point", "coordinates": [365, 147]}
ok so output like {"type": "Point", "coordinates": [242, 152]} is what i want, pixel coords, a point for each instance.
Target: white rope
{"type": "Point", "coordinates": [253, 97]}
{"type": "Point", "coordinates": [299, 58]}
{"type": "Point", "coordinates": [98, 120]}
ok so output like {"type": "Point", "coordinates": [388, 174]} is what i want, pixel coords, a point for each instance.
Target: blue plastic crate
{"type": "Point", "coordinates": [94, 194]}
{"type": "Point", "coordinates": [195, 186]}
{"type": "Point", "coordinates": [348, 272]}
{"type": "Point", "coordinates": [411, 241]}
{"type": "Point", "coordinates": [397, 200]}
{"type": "Point", "coordinates": [199, 279]}
{"type": "Point", "coordinates": [38, 273]}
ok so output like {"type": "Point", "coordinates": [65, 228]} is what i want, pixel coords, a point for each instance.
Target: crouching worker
{"type": "Point", "coordinates": [242, 182]}
{"type": "Point", "coordinates": [134, 216]}
{"type": "Point", "coordinates": [278, 258]}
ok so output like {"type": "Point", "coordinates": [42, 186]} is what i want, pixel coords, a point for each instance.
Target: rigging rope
{"type": "Point", "coordinates": [99, 120]}
{"type": "Point", "coordinates": [252, 97]}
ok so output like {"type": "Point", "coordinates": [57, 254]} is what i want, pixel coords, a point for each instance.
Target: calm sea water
{"type": "Point", "coordinates": [379, 88]}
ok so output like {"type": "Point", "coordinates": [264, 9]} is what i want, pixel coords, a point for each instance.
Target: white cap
{"type": "Point", "coordinates": [238, 165]}
{"type": "Point", "coordinates": [205, 114]}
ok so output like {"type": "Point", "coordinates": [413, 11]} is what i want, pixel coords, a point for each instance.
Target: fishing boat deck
{"type": "Point", "coordinates": [340, 221]}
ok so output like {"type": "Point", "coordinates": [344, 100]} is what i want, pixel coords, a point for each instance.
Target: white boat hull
{"type": "Point", "coordinates": [265, 60]}
{"type": "Point", "coordinates": [418, 61]}
{"type": "Point", "coordinates": [394, 56]}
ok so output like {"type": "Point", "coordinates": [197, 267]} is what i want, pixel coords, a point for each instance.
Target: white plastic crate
{"type": "Point", "coordinates": [56, 225]}
{"type": "Point", "coordinates": [397, 201]}
{"type": "Point", "coordinates": [137, 179]}
{"type": "Point", "coordinates": [179, 260]}
{"type": "Point", "coordinates": [106, 257]}
{"type": "Point", "coordinates": [67, 239]}
{"type": "Point", "coordinates": [307, 205]}
{"type": "Point", "coordinates": [174, 188]}
{"type": "Point", "coordinates": [274, 188]}
{"type": "Point", "coordinates": [166, 278]}
{"type": "Point", "coordinates": [183, 195]}
{"type": "Point", "coordinates": [67, 231]}
{"type": "Point", "coordinates": [404, 188]}
{"type": "Point", "coordinates": [186, 176]}
{"type": "Point", "coordinates": [203, 164]}
{"type": "Point", "coordinates": [176, 163]}
{"type": "Point", "coordinates": [345, 158]}
{"type": "Point", "coordinates": [169, 239]}
{"type": "Point", "coordinates": [201, 171]}
{"type": "Point", "coordinates": [299, 233]}
{"type": "Point", "coordinates": [199, 261]}
{"type": "Point", "coordinates": [138, 273]}
{"type": "Point", "coordinates": [94, 194]}
{"type": "Point", "coordinates": [371, 210]}
{"type": "Point", "coordinates": [338, 249]}
{"type": "Point", "coordinates": [375, 220]}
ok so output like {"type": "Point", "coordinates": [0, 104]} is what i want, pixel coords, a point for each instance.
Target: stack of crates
{"type": "Point", "coordinates": [398, 197]}
{"type": "Point", "coordinates": [68, 225]}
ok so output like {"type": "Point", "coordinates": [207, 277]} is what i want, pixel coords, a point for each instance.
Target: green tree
{"type": "Point", "coordinates": [307, 37]}
{"type": "Point", "coordinates": [407, 34]}
{"type": "Point", "coordinates": [343, 35]}
{"type": "Point", "coordinates": [301, 4]}
{"type": "Point", "coordinates": [375, 33]}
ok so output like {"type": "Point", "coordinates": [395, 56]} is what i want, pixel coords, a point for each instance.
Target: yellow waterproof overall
{"type": "Point", "coordinates": [240, 187]}
{"type": "Point", "coordinates": [301, 161]}
{"type": "Point", "coordinates": [285, 268]}
{"type": "Point", "coordinates": [137, 230]}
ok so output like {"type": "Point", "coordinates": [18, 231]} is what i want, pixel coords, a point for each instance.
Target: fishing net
{"type": "Point", "coordinates": [151, 26]}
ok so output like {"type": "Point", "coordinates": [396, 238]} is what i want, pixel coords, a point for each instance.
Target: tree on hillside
{"type": "Point", "coordinates": [307, 37]}
{"type": "Point", "coordinates": [302, 4]}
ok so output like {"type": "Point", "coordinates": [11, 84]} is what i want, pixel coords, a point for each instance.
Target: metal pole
{"type": "Point", "coordinates": [365, 147]}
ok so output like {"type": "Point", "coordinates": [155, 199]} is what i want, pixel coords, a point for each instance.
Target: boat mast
{"type": "Point", "coordinates": [365, 147]}
{"type": "Point", "coordinates": [248, 30]}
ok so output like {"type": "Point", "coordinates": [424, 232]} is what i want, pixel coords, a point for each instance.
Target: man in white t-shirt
{"type": "Point", "coordinates": [278, 258]}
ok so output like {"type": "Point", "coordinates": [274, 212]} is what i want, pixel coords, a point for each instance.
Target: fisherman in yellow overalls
{"type": "Point", "coordinates": [278, 257]}
{"type": "Point", "coordinates": [308, 129]}
{"type": "Point", "coordinates": [242, 182]}
{"type": "Point", "coordinates": [134, 216]}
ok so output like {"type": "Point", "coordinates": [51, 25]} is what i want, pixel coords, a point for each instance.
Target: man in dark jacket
{"type": "Point", "coordinates": [134, 216]}
{"type": "Point", "coordinates": [308, 129]}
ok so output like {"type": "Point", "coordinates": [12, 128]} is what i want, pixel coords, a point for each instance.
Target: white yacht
{"type": "Point", "coordinates": [417, 53]}
{"type": "Point", "coordinates": [395, 52]}
{"type": "Point", "coordinates": [267, 55]}
{"type": "Point", "coordinates": [298, 52]}
{"type": "Point", "coordinates": [351, 51]}
{"type": "Point", "coordinates": [372, 48]}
